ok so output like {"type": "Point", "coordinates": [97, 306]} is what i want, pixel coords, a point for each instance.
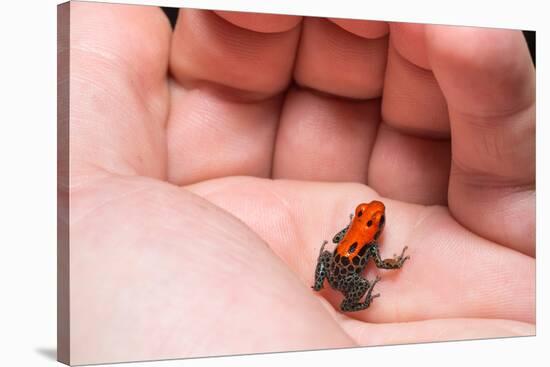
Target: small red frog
{"type": "Point", "coordinates": [355, 244]}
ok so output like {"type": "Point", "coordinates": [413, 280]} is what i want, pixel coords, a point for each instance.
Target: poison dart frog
{"type": "Point", "coordinates": [354, 245]}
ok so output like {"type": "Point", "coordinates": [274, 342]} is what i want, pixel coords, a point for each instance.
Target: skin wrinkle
{"type": "Point", "coordinates": [341, 50]}
{"type": "Point", "coordinates": [411, 65]}
{"type": "Point", "coordinates": [417, 132]}
{"type": "Point", "coordinates": [104, 203]}
{"type": "Point", "coordinates": [111, 57]}
{"type": "Point", "coordinates": [123, 161]}
{"type": "Point", "coordinates": [423, 73]}
{"type": "Point", "coordinates": [487, 120]}
{"type": "Point", "coordinates": [208, 112]}
{"type": "Point", "coordinates": [107, 94]}
{"type": "Point", "coordinates": [482, 180]}
{"type": "Point", "coordinates": [234, 41]}
{"type": "Point", "coordinates": [425, 134]}
{"type": "Point", "coordinates": [399, 65]}
{"type": "Point", "coordinates": [492, 148]}
{"type": "Point", "coordinates": [262, 34]}
{"type": "Point", "coordinates": [327, 95]}
{"type": "Point", "coordinates": [244, 47]}
{"type": "Point", "coordinates": [224, 91]}
{"type": "Point", "coordinates": [223, 14]}
{"type": "Point", "coordinates": [341, 46]}
{"type": "Point", "coordinates": [126, 167]}
{"type": "Point", "coordinates": [98, 174]}
{"type": "Point", "coordinates": [493, 140]}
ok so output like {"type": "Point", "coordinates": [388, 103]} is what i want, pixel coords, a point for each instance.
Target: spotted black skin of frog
{"type": "Point", "coordinates": [355, 244]}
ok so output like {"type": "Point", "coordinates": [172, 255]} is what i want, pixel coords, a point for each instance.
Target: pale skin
{"type": "Point", "coordinates": [203, 182]}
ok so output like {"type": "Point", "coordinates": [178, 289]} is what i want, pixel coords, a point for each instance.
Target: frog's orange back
{"type": "Point", "coordinates": [365, 228]}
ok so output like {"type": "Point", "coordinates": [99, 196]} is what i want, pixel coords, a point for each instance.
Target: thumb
{"type": "Point", "coordinates": [488, 80]}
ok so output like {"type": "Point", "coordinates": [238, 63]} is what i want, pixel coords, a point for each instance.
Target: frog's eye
{"type": "Point", "coordinates": [360, 213]}
{"type": "Point", "coordinates": [369, 223]}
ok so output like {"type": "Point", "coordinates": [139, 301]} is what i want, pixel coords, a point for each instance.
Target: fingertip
{"type": "Point", "coordinates": [363, 28]}
{"type": "Point", "coordinates": [468, 43]}
{"type": "Point", "coordinates": [481, 71]}
{"type": "Point", "coordinates": [207, 48]}
{"type": "Point", "coordinates": [264, 23]}
{"type": "Point", "coordinates": [409, 40]}
{"type": "Point", "coordinates": [333, 60]}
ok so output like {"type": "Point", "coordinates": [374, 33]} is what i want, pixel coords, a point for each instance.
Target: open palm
{"type": "Point", "coordinates": [208, 164]}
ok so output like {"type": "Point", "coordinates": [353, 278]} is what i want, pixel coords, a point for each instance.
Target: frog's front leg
{"type": "Point", "coordinates": [359, 286]}
{"type": "Point", "coordinates": [395, 263]}
{"type": "Point", "coordinates": [323, 267]}
{"type": "Point", "coordinates": [338, 236]}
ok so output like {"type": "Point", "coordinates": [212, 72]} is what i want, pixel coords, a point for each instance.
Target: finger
{"type": "Point", "coordinates": [426, 331]}
{"type": "Point", "coordinates": [209, 49]}
{"type": "Point", "coordinates": [410, 168]}
{"type": "Point", "coordinates": [451, 272]}
{"type": "Point", "coordinates": [411, 156]}
{"type": "Point", "coordinates": [211, 136]}
{"type": "Point", "coordinates": [118, 111]}
{"type": "Point", "coordinates": [488, 80]}
{"type": "Point", "coordinates": [412, 100]}
{"type": "Point", "coordinates": [161, 273]}
{"type": "Point", "coordinates": [364, 28]}
{"type": "Point", "coordinates": [333, 60]}
{"type": "Point", "coordinates": [268, 23]}
{"type": "Point", "coordinates": [226, 94]}
{"type": "Point", "coordinates": [319, 128]}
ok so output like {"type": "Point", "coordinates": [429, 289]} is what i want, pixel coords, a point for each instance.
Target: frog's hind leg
{"type": "Point", "coordinates": [359, 286]}
{"type": "Point", "coordinates": [323, 266]}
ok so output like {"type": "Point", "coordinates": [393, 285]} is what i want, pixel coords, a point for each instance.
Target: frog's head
{"type": "Point", "coordinates": [373, 216]}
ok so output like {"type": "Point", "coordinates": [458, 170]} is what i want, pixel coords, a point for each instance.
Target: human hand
{"type": "Point", "coordinates": [197, 166]}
